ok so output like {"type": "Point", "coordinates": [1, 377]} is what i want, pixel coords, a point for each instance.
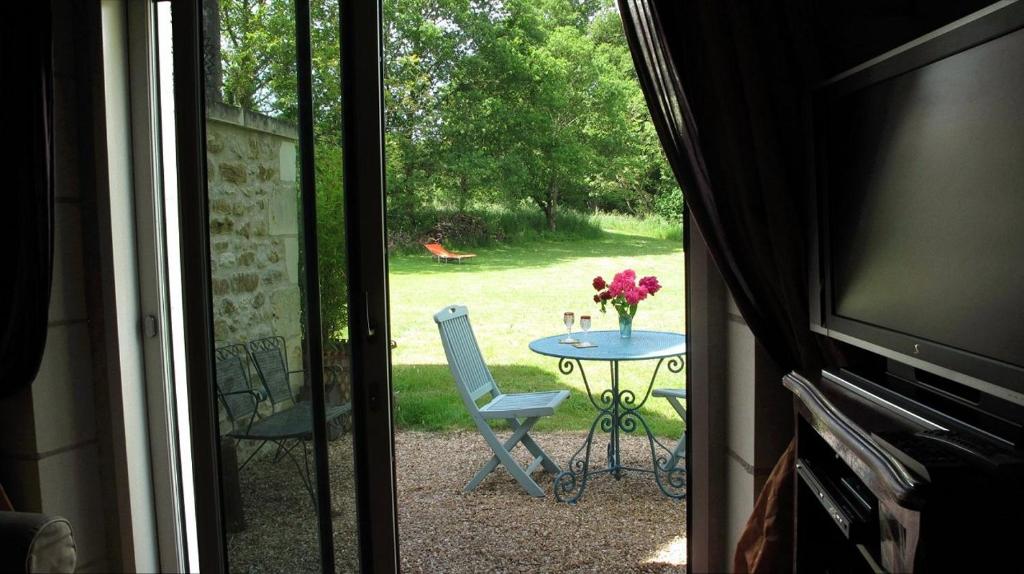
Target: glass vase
{"type": "Point", "coordinates": [625, 326]}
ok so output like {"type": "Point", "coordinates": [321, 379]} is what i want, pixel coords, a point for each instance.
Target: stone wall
{"type": "Point", "coordinates": [254, 229]}
{"type": "Point", "coordinates": [252, 168]}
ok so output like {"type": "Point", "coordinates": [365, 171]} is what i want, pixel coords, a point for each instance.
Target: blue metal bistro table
{"type": "Point", "coordinates": [618, 410]}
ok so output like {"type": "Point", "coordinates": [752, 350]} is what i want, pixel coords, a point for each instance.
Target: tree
{"type": "Point", "coordinates": [514, 102]}
{"type": "Point", "coordinates": [541, 99]}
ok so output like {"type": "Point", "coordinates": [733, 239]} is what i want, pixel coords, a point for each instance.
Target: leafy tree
{"type": "Point", "coordinates": [510, 102]}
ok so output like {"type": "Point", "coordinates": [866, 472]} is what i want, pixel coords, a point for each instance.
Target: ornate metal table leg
{"type": "Point", "coordinates": [671, 479]}
{"type": "Point", "coordinates": [618, 411]}
{"type": "Point", "coordinates": [615, 459]}
{"type": "Point", "coordinates": [570, 484]}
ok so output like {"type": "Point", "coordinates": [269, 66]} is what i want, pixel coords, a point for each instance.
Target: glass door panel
{"type": "Point", "coordinates": [326, 128]}
{"type": "Point", "coordinates": [278, 284]}
{"type": "Point", "coordinates": [281, 234]}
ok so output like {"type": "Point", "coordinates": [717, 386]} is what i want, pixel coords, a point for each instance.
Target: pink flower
{"type": "Point", "coordinates": [621, 282]}
{"type": "Point", "coordinates": [651, 284]}
{"type": "Point", "coordinates": [624, 289]}
{"type": "Point", "coordinates": [635, 294]}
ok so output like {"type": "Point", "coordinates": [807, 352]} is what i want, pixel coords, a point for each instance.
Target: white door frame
{"type": "Point", "coordinates": [160, 527]}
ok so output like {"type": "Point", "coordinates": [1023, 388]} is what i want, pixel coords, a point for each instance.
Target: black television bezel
{"type": "Point", "coordinates": [997, 378]}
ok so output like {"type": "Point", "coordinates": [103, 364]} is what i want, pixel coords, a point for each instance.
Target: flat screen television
{"type": "Point", "coordinates": [919, 204]}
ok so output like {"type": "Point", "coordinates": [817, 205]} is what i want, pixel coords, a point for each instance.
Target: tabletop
{"type": "Point", "coordinates": [611, 347]}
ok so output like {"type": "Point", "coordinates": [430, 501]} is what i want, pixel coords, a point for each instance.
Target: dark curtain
{"type": "Point", "coordinates": [724, 84]}
{"type": "Point", "coordinates": [26, 220]}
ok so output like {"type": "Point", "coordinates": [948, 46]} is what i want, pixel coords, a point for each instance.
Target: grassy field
{"type": "Point", "coordinates": [653, 227]}
{"type": "Point", "coordinates": [516, 294]}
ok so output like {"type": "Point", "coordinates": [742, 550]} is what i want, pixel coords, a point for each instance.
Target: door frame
{"type": "Point", "coordinates": [154, 286]}
{"type": "Point", "coordinates": [369, 331]}
{"type": "Point", "coordinates": [197, 300]}
{"type": "Point", "coordinates": [373, 440]}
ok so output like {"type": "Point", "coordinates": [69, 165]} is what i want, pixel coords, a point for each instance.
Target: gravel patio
{"type": "Point", "coordinates": [618, 526]}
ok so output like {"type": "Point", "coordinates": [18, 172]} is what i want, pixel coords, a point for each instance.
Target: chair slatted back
{"type": "Point", "coordinates": [271, 360]}
{"type": "Point", "coordinates": [472, 377]}
{"type": "Point", "coordinates": [232, 376]}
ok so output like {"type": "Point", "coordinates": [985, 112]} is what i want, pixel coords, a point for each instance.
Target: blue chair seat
{"type": "Point", "coordinates": [540, 404]}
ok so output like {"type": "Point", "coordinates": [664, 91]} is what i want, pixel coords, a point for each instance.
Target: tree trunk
{"type": "Point", "coordinates": [552, 206]}
{"type": "Point", "coordinates": [463, 192]}
{"type": "Point", "coordinates": [407, 170]}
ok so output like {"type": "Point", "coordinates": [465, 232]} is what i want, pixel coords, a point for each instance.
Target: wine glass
{"type": "Point", "coordinates": [584, 324]}
{"type": "Point", "coordinates": [568, 318]}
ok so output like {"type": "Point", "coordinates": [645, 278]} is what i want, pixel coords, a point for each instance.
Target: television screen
{"type": "Point", "coordinates": [924, 172]}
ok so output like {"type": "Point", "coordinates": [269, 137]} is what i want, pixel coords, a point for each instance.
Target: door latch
{"type": "Point", "coordinates": [149, 326]}
{"type": "Point", "coordinates": [370, 331]}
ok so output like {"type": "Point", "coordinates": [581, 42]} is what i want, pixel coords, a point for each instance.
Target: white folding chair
{"type": "Point", "coordinates": [521, 410]}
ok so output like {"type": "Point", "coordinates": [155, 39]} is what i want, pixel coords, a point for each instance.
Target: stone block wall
{"type": "Point", "coordinates": [254, 229]}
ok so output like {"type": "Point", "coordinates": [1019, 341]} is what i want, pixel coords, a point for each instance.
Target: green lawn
{"type": "Point", "coordinates": [516, 294]}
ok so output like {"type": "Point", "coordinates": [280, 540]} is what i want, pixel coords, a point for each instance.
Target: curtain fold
{"type": "Point", "coordinates": [724, 85]}
{"type": "Point", "coordinates": [26, 221]}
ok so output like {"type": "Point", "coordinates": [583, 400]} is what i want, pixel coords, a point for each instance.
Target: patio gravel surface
{"type": "Point", "coordinates": [618, 526]}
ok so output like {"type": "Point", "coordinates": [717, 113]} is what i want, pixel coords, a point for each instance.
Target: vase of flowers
{"type": "Point", "coordinates": [624, 293]}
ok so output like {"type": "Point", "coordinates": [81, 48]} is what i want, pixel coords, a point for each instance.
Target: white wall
{"type": "Point", "coordinates": [740, 434]}
{"type": "Point", "coordinates": [760, 420]}
{"type": "Point", "coordinates": [741, 416]}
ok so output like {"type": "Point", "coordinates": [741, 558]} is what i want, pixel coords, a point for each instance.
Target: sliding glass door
{"type": "Point", "coordinates": [284, 274]}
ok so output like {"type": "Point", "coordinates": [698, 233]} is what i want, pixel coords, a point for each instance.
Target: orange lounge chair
{"type": "Point", "coordinates": [443, 255]}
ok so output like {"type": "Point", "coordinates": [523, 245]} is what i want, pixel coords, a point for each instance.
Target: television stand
{"type": "Point", "coordinates": [879, 490]}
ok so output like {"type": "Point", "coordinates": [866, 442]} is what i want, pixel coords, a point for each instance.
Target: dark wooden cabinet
{"type": "Point", "coordinates": [863, 506]}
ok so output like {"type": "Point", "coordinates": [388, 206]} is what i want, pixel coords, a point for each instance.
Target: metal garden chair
{"type": "Point", "coordinates": [521, 410]}
{"type": "Point", "coordinates": [270, 355]}
{"type": "Point", "coordinates": [676, 398]}
{"type": "Point", "coordinates": [286, 429]}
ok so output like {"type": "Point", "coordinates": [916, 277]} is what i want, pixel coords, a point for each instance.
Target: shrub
{"type": "Point", "coordinates": [669, 205]}
{"type": "Point", "coordinates": [652, 226]}
{"type": "Point", "coordinates": [408, 229]}
{"type": "Point", "coordinates": [330, 215]}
